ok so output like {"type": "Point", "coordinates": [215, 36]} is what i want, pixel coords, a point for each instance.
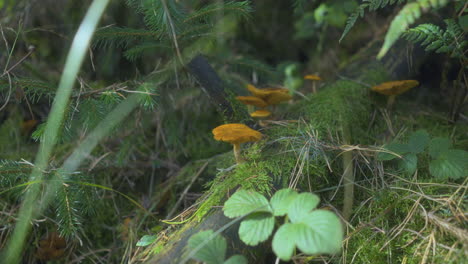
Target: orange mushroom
{"type": "Point", "coordinates": [252, 100]}
{"type": "Point", "coordinates": [313, 78]}
{"type": "Point", "coordinates": [260, 114]}
{"type": "Point", "coordinates": [236, 134]}
{"type": "Point", "coordinates": [394, 88]}
{"type": "Point", "coordinates": [271, 96]}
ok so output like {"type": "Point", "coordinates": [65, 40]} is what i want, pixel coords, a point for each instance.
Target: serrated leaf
{"type": "Point", "coordinates": [303, 204]}
{"type": "Point", "coordinates": [244, 202]}
{"type": "Point", "coordinates": [213, 250]}
{"type": "Point", "coordinates": [450, 164]}
{"type": "Point", "coordinates": [236, 259]}
{"type": "Point", "coordinates": [409, 163]}
{"type": "Point", "coordinates": [283, 243]}
{"type": "Point", "coordinates": [439, 145]}
{"type": "Point", "coordinates": [327, 233]}
{"type": "Point", "coordinates": [281, 201]}
{"type": "Point", "coordinates": [256, 228]}
{"type": "Point", "coordinates": [318, 232]}
{"type": "Point", "coordinates": [393, 148]}
{"type": "Point", "coordinates": [146, 240]}
{"type": "Point", "coordinates": [418, 141]}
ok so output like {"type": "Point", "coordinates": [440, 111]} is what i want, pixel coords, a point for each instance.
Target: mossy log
{"type": "Point", "coordinates": [341, 112]}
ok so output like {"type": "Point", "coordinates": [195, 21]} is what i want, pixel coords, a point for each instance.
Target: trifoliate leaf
{"type": "Point", "coordinates": [303, 204]}
{"type": "Point", "coordinates": [418, 141]}
{"type": "Point", "coordinates": [256, 228]}
{"type": "Point", "coordinates": [284, 241]}
{"type": "Point", "coordinates": [212, 250]}
{"type": "Point", "coordinates": [450, 164]}
{"type": "Point", "coordinates": [146, 240]}
{"type": "Point", "coordinates": [244, 202]}
{"type": "Point", "coordinates": [236, 259]}
{"type": "Point", "coordinates": [409, 163]}
{"type": "Point", "coordinates": [281, 201]}
{"type": "Point", "coordinates": [392, 149]}
{"type": "Point", "coordinates": [439, 145]}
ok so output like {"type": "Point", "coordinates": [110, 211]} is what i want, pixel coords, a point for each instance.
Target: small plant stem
{"type": "Point", "coordinates": [348, 176]}
{"type": "Point", "coordinates": [237, 153]}
{"type": "Point", "coordinates": [348, 182]}
{"type": "Point", "coordinates": [390, 100]}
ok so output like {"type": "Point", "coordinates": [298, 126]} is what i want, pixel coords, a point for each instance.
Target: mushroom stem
{"type": "Point", "coordinates": [237, 152]}
{"type": "Point", "coordinates": [390, 100]}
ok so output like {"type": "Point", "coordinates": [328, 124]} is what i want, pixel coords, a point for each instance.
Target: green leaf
{"type": "Point", "coordinates": [439, 145]}
{"type": "Point", "coordinates": [284, 241]}
{"type": "Point", "coordinates": [281, 201]}
{"type": "Point", "coordinates": [393, 148]}
{"type": "Point", "coordinates": [450, 164]}
{"type": "Point", "coordinates": [409, 163]}
{"type": "Point", "coordinates": [244, 202]}
{"type": "Point", "coordinates": [236, 259]}
{"type": "Point", "coordinates": [418, 141]}
{"type": "Point", "coordinates": [325, 233]}
{"type": "Point", "coordinates": [256, 228]}
{"type": "Point", "coordinates": [213, 250]}
{"type": "Point", "coordinates": [146, 240]}
{"type": "Point", "coordinates": [319, 232]}
{"type": "Point", "coordinates": [302, 205]}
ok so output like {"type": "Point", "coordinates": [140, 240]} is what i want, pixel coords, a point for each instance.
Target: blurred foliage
{"type": "Point", "coordinates": [159, 150]}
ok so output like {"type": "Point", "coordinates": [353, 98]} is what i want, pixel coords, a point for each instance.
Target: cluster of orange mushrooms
{"type": "Point", "coordinates": [237, 134]}
{"type": "Point", "coordinates": [262, 98]}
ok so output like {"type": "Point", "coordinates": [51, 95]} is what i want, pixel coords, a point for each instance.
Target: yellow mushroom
{"type": "Point", "coordinates": [260, 114]}
{"type": "Point", "coordinates": [313, 78]}
{"type": "Point", "coordinates": [252, 100]}
{"type": "Point", "coordinates": [236, 134]}
{"type": "Point", "coordinates": [394, 88]}
{"type": "Point", "coordinates": [271, 96]}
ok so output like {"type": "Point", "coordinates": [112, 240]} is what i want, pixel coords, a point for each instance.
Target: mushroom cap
{"type": "Point", "coordinates": [395, 87]}
{"type": "Point", "coordinates": [277, 97]}
{"type": "Point", "coordinates": [236, 133]}
{"type": "Point", "coordinates": [252, 100]}
{"type": "Point", "coordinates": [260, 113]}
{"type": "Point", "coordinates": [263, 93]}
{"type": "Point", "coordinates": [312, 77]}
{"type": "Point", "coordinates": [271, 96]}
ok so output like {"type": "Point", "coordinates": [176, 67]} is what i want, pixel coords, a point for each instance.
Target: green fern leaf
{"type": "Point", "coordinates": [352, 19]}
{"type": "Point", "coordinates": [407, 15]}
{"type": "Point", "coordinates": [433, 38]}
{"type": "Point", "coordinates": [205, 14]}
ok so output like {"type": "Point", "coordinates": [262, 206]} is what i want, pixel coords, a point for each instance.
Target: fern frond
{"type": "Point", "coordinates": [157, 18]}
{"type": "Point", "coordinates": [206, 14]}
{"type": "Point", "coordinates": [353, 18]}
{"type": "Point", "coordinates": [407, 15]}
{"type": "Point", "coordinates": [137, 51]}
{"type": "Point", "coordinates": [372, 5]}
{"type": "Point", "coordinates": [122, 37]}
{"type": "Point", "coordinates": [66, 212]}
{"type": "Point", "coordinates": [33, 89]}
{"type": "Point", "coordinates": [13, 173]}
{"type": "Point", "coordinates": [433, 38]}
{"type": "Point", "coordinates": [378, 4]}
